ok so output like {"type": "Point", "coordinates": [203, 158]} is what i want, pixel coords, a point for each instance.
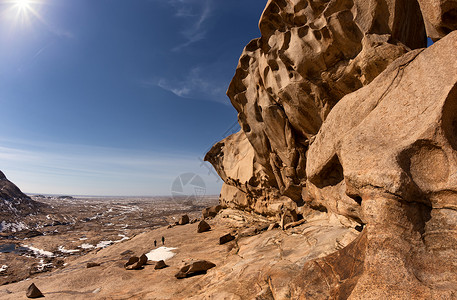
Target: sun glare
{"type": "Point", "coordinates": [23, 4]}
{"type": "Point", "coordinates": [23, 10]}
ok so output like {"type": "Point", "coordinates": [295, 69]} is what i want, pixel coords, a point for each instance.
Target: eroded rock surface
{"type": "Point", "coordinates": [396, 166]}
{"type": "Point", "coordinates": [342, 111]}
{"type": "Point", "coordinates": [440, 17]}
{"type": "Point", "coordinates": [310, 55]}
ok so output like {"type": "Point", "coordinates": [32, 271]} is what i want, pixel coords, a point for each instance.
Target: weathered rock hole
{"type": "Point", "coordinates": [426, 163]}
{"type": "Point", "coordinates": [273, 8]}
{"type": "Point", "coordinates": [253, 45]}
{"type": "Point", "coordinates": [330, 175]}
{"type": "Point", "coordinates": [281, 3]}
{"type": "Point", "coordinates": [450, 17]}
{"type": "Point", "coordinates": [303, 31]}
{"type": "Point", "coordinates": [273, 65]}
{"type": "Point", "coordinates": [358, 199]}
{"type": "Point", "coordinates": [301, 5]}
{"type": "Point", "coordinates": [449, 123]}
{"type": "Point", "coordinates": [359, 228]}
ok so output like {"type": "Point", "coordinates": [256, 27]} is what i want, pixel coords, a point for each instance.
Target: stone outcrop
{"type": "Point", "coordinates": [344, 112]}
{"type": "Point", "coordinates": [310, 55]}
{"type": "Point", "coordinates": [394, 166]}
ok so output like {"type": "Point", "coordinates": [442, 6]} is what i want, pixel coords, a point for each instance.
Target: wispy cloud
{"type": "Point", "coordinates": [194, 13]}
{"type": "Point", "coordinates": [81, 169]}
{"type": "Point", "coordinates": [198, 83]}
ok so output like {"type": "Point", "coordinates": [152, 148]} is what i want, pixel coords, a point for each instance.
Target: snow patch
{"type": "Point", "coordinates": [39, 252]}
{"type": "Point", "coordinates": [104, 244]}
{"type": "Point", "coordinates": [161, 253]}
{"type": "Point", "coordinates": [42, 265]}
{"type": "Point", "coordinates": [87, 246]}
{"type": "Point", "coordinates": [3, 268]}
{"type": "Point", "coordinates": [63, 250]}
{"type": "Point", "coordinates": [13, 227]}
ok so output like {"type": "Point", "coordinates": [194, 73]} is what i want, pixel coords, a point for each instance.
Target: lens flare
{"type": "Point", "coordinates": [23, 11]}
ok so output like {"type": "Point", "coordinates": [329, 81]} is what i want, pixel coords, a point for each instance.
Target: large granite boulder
{"type": "Point", "coordinates": [309, 56]}
{"type": "Point", "coordinates": [387, 156]}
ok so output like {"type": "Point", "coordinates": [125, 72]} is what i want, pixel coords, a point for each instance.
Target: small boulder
{"type": "Point", "coordinates": [203, 227]}
{"type": "Point", "coordinates": [135, 263]}
{"type": "Point", "coordinates": [226, 238]}
{"type": "Point", "coordinates": [211, 212]}
{"type": "Point", "coordinates": [33, 292]}
{"type": "Point", "coordinates": [195, 268]}
{"type": "Point", "coordinates": [183, 220]}
{"type": "Point", "coordinates": [92, 264]}
{"type": "Point", "coordinates": [160, 265]}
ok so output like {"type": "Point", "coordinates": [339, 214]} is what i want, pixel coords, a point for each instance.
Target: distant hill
{"type": "Point", "coordinates": [14, 206]}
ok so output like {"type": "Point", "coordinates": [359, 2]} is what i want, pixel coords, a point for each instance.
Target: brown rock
{"type": "Point", "coordinates": [295, 224]}
{"type": "Point", "coordinates": [14, 204]}
{"type": "Point", "coordinates": [386, 155]}
{"type": "Point", "coordinates": [195, 268]}
{"type": "Point", "coordinates": [183, 220]}
{"type": "Point", "coordinates": [226, 238]}
{"type": "Point", "coordinates": [211, 212]}
{"type": "Point", "coordinates": [33, 292]}
{"type": "Point", "coordinates": [309, 56]}
{"type": "Point", "coordinates": [160, 265]}
{"type": "Point", "coordinates": [440, 17]}
{"type": "Point", "coordinates": [92, 264]}
{"type": "Point", "coordinates": [203, 227]}
{"type": "Point", "coordinates": [136, 263]}
{"type": "Point", "coordinates": [273, 226]}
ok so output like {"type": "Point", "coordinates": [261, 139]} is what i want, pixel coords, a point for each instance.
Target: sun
{"type": "Point", "coordinates": [23, 4]}
{"type": "Point", "coordinates": [23, 11]}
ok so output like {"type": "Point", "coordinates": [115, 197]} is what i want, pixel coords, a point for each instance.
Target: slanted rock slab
{"type": "Point", "coordinates": [195, 268]}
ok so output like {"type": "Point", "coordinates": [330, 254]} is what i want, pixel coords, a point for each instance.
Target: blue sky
{"type": "Point", "coordinates": [116, 97]}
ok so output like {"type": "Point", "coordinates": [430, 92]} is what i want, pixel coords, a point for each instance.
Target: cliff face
{"type": "Point", "coordinates": [310, 55]}
{"type": "Point", "coordinates": [341, 111]}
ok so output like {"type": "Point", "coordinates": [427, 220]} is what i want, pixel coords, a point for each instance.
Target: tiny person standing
{"type": "Point", "coordinates": [155, 243]}
{"type": "Point", "coordinates": [163, 240]}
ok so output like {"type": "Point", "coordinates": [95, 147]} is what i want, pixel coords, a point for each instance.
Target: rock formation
{"type": "Point", "coordinates": [310, 55]}
{"type": "Point", "coordinates": [343, 111]}
{"type": "Point", "coordinates": [14, 205]}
